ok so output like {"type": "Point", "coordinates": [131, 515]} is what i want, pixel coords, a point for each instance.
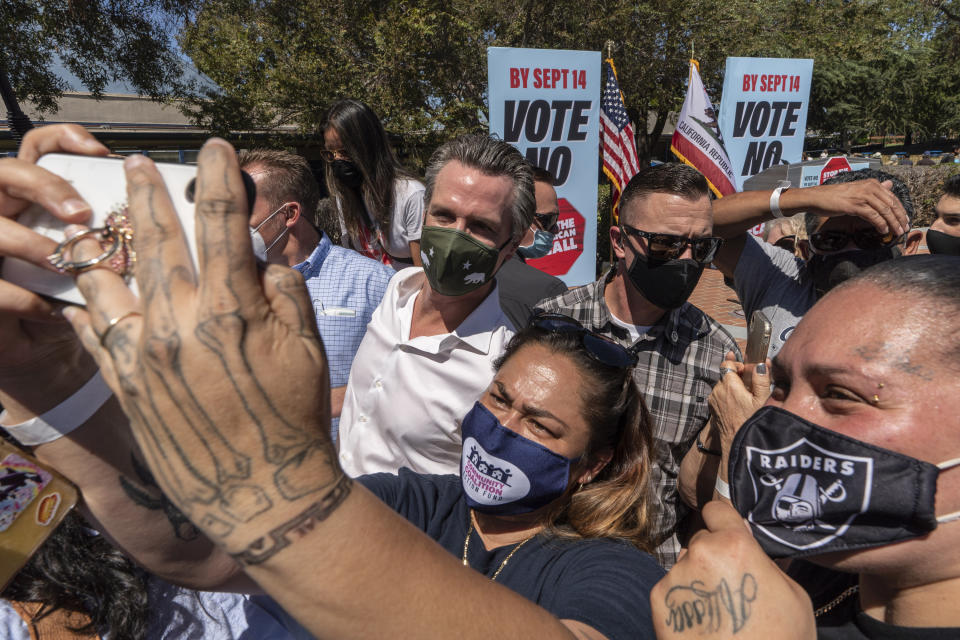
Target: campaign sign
{"type": "Point", "coordinates": [815, 175]}
{"type": "Point", "coordinates": [546, 103]}
{"type": "Point", "coordinates": [763, 112]}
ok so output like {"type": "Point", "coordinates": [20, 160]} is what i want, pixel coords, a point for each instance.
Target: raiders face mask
{"type": "Point", "coordinates": [504, 473]}
{"type": "Point", "coordinates": [806, 490]}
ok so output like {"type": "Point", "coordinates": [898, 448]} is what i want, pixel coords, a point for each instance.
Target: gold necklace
{"type": "Point", "coordinates": [849, 591]}
{"type": "Point", "coordinates": [466, 546]}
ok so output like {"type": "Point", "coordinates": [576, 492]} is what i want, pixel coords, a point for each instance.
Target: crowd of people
{"type": "Point", "coordinates": [417, 433]}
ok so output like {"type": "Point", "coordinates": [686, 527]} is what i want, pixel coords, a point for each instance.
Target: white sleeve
{"type": "Point", "coordinates": [411, 215]}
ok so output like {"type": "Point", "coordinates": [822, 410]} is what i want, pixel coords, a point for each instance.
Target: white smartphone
{"type": "Point", "coordinates": [103, 184]}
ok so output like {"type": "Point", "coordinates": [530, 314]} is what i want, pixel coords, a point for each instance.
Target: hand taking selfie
{"type": "Point", "coordinates": [194, 360]}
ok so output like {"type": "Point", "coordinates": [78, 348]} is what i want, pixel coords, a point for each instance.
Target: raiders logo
{"type": "Point", "coordinates": [804, 495]}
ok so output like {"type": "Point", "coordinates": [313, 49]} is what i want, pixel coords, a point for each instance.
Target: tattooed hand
{"type": "Point", "coordinates": [223, 375]}
{"type": "Point", "coordinates": [725, 586]}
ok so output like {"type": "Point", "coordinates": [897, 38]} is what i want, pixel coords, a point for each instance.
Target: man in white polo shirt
{"type": "Point", "coordinates": [429, 348]}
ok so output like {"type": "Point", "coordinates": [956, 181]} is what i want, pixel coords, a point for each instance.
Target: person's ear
{"type": "Point", "coordinates": [599, 461]}
{"type": "Point", "coordinates": [509, 250]}
{"type": "Point", "coordinates": [616, 242]}
{"type": "Point", "coordinates": [912, 243]}
{"type": "Point", "coordinates": [292, 213]}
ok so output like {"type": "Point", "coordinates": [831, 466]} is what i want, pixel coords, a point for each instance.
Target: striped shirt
{"type": "Point", "coordinates": [679, 362]}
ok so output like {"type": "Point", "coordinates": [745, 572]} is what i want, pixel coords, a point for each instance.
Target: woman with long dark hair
{"type": "Point", "coordinates": [378, 202]}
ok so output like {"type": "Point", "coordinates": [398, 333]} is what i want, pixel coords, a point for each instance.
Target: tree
{"type": "Point", "coordinates": [421, 65]}
{"type": "Point", "coordinates": [97, 40]}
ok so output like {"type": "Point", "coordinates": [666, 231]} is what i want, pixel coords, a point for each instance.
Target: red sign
{"type": "Point", "coordinates": [567, 245]}
{"type": "Point", "coordinates": [833, 167]}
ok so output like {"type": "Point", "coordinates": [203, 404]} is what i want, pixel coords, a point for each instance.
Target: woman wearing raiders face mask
{"type": "Point", "coordinates": [379, 203]}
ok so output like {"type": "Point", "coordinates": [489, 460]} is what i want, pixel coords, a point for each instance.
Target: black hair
{"type": "Point", "coordinates": [935, 278]}
{"type": "Point", "coordinates": [670, 177]}
{"type": "Point", "coordinates": [366, 142]}
{"type": "Point", "coordinates": [542, 175]}
{"type": "Point", "coordinates": [78, 570]}
{"type": "Point", "coordinates": [952, 186]}
{"type": "Point", "coordinates": [899, 189]}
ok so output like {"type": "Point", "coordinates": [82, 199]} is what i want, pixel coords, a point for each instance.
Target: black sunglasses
{"type": "Point", "coordinates": [666, 246]}
{"type": "Point", "coordinates": [865, 239]}
{"type": "Point", "coordinates": [330, 156]}
{"type": "Point", "coordinates": [600, 348]}
{"type": "Point", "coordinates": [546, 220]}
{"type": "Point", "coordinates": [786, 242]}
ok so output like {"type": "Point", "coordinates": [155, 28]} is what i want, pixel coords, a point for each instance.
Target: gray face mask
{"type": "Point", "coordinates": [260, 249]}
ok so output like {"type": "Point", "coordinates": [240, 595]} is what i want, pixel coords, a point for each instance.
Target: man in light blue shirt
{"type": "Point", "coordinates": [345, 287]}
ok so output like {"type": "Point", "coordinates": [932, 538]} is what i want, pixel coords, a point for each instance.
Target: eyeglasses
{"type": "Point", "coordinates": [338, 154]}
{"type": "Point", "coordinates": [665, 246]}
{"type": "Point", "coordinates": [866, 239]}
{"type": "Point", "coordinates": [600, 348]}
{"type": "Point", "coordinates": [786, 242]}
{"type": "Point", "coordinates": [546, 220]}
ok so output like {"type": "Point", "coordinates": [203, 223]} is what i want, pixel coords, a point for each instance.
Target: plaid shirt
{"type": "Point", "coordinates": [679, 362]}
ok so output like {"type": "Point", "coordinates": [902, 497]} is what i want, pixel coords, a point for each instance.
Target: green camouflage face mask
{"type": "Point", "coordinates": [455, 263]}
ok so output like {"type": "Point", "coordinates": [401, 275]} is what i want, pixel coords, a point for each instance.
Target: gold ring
{"type": "Point", "coordinates": [114, 322]}
{"type": "Point", "coordinates": [58, 260]}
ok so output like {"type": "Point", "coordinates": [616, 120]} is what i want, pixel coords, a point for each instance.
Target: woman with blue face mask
{"type": "Point", "coordinates": [553, 496]}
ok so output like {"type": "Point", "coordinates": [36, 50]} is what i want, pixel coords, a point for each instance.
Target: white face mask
{"type": "Point", "coordinates": [260, 249]}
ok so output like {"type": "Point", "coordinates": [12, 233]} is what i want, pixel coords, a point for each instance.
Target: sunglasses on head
{"type": "Point", "coordinates": [865, 239]}
{"type": "Point", "coordinates": [546, 220]}
{"type": "Point", "coordinates": [600, 348]}
{"type": "Point", "coordinates": [666, 246]}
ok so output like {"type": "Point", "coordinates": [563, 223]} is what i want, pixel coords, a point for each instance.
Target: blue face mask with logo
{"type": "Point", "coordinates": [807, 490]}
{"type": "Point", "coordinates": [542, 243]}
{"type": "Point", "coordinates": [504, 473]}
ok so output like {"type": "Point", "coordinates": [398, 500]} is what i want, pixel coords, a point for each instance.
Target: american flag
{"type": "Point", "coordinates": [618, 146]}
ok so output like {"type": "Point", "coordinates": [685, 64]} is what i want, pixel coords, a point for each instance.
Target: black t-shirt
{"type": "Point", "coordinates": [521, 287]}
{"type": "Point", "coordinates": [602, 583]}
{"type": "Point", "coordinates": [863, 627]}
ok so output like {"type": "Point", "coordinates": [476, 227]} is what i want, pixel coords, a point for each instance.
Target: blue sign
{"type": "Point", "coordinates": [546, 103]}
{"type": "Point", "coordinates": [763, 112]}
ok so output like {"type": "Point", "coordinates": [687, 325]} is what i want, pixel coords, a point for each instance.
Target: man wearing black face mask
{"type": "Point", "coordinates": [943, 236]}
{"type": "Point", "coordinates": [854, 220]}
{"type": "Point", "coordinates": [853, 465]}
{"type": "Point", "coordinates": [662, 244]}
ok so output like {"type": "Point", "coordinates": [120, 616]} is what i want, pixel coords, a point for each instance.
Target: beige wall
{"type": "Point", "coordinates": [112, 108]}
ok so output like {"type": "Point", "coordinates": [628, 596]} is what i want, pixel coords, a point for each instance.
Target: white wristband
{"type": "Point", "coordinates": [775, 199]}
{"type": "Point", "coordinates": [722, 488]}
{"type": "Point", "coordinates": [63, 418]}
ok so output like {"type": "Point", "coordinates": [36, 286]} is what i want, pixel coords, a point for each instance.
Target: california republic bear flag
{"type": "Point", "coordinates": [697, 140]}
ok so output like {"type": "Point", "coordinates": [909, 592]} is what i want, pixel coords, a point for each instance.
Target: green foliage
{"type": "Point", "coordinates": [99, 41]}
{"type": "Point", "coordinates": [421, 65]}
{"type": "Point", "coordinates": [926, 187]}
{"type": "Point", "coordinates": [881, 66]}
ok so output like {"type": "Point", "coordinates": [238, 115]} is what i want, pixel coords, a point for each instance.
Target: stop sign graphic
{"type": "Point", "coordinates": [567, 245]}
{"type": "Point", "coordinates": [833, 167]}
